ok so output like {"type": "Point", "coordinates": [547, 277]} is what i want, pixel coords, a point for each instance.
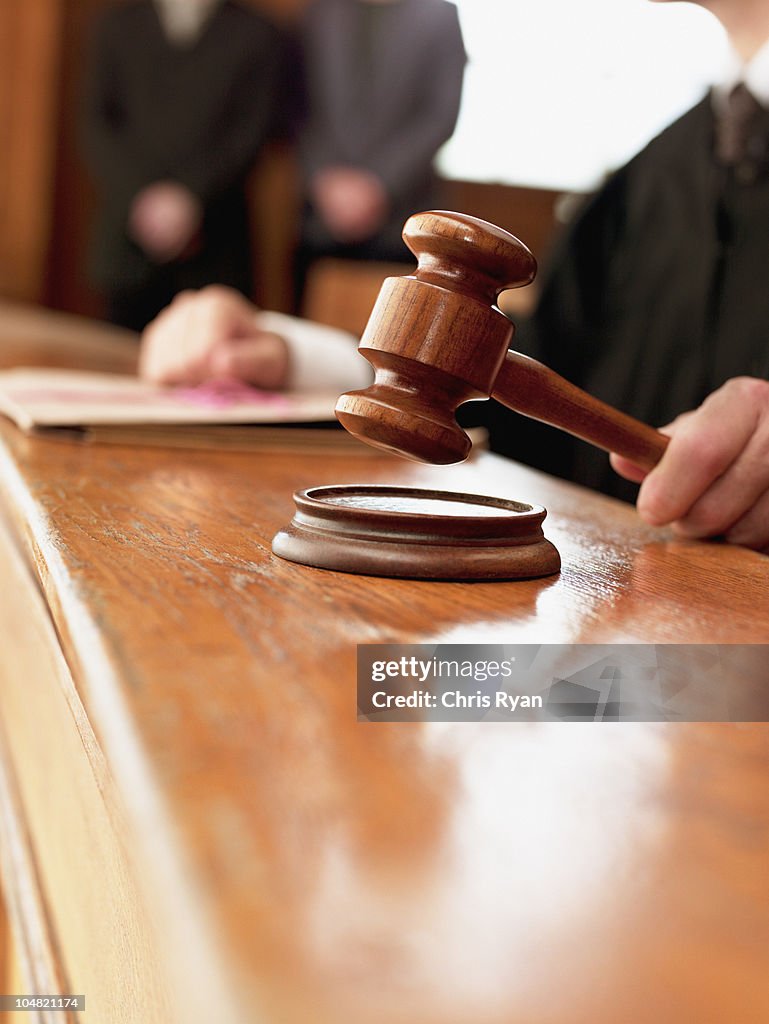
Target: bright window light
{"type": "Point", "coordinates": [560, 92]}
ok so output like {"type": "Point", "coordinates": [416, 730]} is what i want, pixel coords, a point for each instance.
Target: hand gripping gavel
{"type": "Point", "coordinates": [437, 339]}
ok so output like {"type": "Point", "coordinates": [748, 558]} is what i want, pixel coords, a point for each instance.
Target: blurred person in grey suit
{"type": "Point", "coordinates": [384, 82]}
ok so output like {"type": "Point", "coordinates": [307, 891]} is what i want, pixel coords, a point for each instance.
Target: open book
{"type": "Point", "coordinates": [121, 409]}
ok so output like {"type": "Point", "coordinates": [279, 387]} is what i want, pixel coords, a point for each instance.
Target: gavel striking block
{"type": "Point", "coordinates": [436, 339]}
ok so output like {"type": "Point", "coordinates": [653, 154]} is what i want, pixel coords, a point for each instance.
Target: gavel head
{"type": "Point", "coordinates": [436, 338]}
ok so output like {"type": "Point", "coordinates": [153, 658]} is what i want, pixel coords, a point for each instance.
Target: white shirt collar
{"type": "Point", "coordinates": [184, 20]}
{"type": "Point", "coordinates": [755, 75]}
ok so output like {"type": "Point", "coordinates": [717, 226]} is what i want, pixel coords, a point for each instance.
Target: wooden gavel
{"type": "Point", "coordinates": [436, 339]}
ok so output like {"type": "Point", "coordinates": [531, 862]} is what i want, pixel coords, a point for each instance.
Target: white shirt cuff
{"type": "Point", "coordinates": [321, 358]}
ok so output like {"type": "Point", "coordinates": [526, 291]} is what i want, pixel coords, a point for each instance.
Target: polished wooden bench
{"type": "Point", "coordinates": [196, 828]}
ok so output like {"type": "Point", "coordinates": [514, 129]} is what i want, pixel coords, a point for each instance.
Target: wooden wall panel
{"type": "Point", "coordinates": [74, 196]}
{"type": "Point", "coordinates": [29, 32]}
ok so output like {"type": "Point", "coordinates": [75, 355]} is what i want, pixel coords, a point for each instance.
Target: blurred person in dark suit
{"type": "Point", "coordinates": [181, 96]}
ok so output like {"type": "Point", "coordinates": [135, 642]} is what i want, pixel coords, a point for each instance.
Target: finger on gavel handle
{"type": "Point", "coordinates": [529, 387]}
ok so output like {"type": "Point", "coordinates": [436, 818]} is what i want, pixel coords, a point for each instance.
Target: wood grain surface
{"type": "Point", "coordinates": [303, 866]}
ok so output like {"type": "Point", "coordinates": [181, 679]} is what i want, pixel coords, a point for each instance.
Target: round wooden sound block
{"type": "Point", "coordinates": [418, 534]}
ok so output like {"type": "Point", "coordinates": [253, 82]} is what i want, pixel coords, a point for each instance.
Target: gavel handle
{"type": "Point", "coordinates": [529, 387]}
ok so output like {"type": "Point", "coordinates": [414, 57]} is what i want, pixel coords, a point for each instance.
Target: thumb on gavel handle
{"type": "Point", "coordinates": [530, 388]}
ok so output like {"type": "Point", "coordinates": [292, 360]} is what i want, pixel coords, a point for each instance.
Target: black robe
{"type": "Point", "coordinates": [656, 296]}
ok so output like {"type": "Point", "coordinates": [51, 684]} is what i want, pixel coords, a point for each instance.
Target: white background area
{"type": "Point", "coordinates": [559, 92]}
